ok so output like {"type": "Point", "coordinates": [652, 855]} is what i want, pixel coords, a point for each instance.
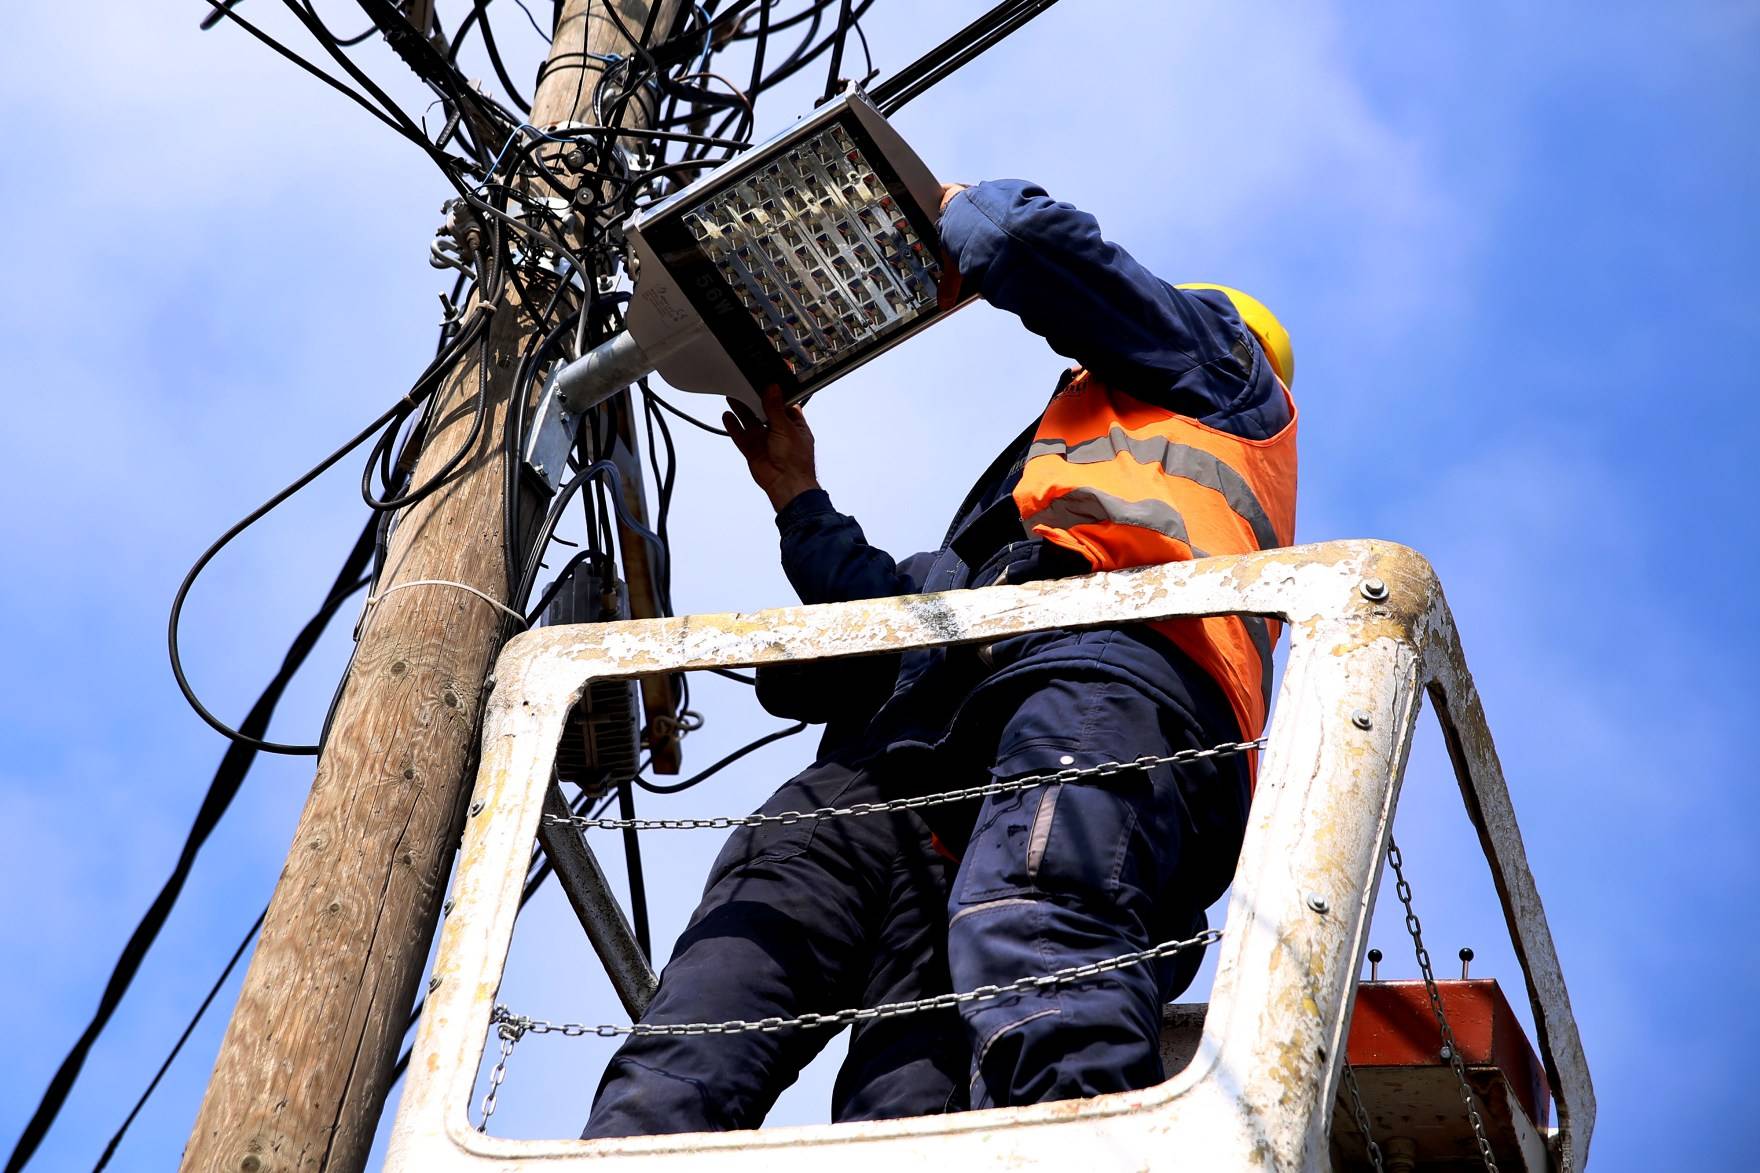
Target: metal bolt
{"type": "Point", "coordinates": [1361, 719]}
{"type": "Point", "coordinates": [538, 467]}
{"type": "Point", "coordinates": [1317, 902]}
{"type": "Point", "coordinates": [433, 984]}
{"type": "Point", "coordinates": [1447, 1053]}
{"type": "Point", "coordinates": [1374, 965]}
{"type": "Point", "coordinates": [476, 809]}
{"type": "Point", "coordinates": [1374, 590]}
{"type": "Point", "coordinates": [1466, 959]}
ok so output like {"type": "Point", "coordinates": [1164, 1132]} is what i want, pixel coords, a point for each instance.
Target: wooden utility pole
{"type": "Point", "coordinates": [304, 1069]}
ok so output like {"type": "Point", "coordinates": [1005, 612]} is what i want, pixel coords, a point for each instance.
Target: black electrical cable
{"type": "Point", "coordinates": [455, 87]}
{"type": "Point", "coordinates": [153, 1084]}
{"type": "Point", "coordinates": [536, 612]}
{"type": "Point", "coordinates": [479, 415]}
{"type": "Point", "coordinates": [683, 415]}
{"type": "Point", "coordinates": [534, 881]}
{"type": "Point", "coordinates": [345, 42]}
{"type": "Point", "coordinates": [789, 22]}
{"type": "Point", "coordinates": [234, 764]}
{"type": "Point", "coordinates": [513, 450]}
{"type": "Point", "coordinates": [632, 866]}
{"type": "Point", "coordinates": [601, 468]}
{"type": "Point", "coordinates": [807, 56]}
{"type": "Point", "coordinates": [535, 26]}
{"type": "Point", "coordinates": [617, 90]}
{"type": "Point", "coordinates": [482, 7]}
{"type": "Point", "coordinates": [223, 11]}
{"type": "Point", "coordinates": [417, 52]}
{"type": "Point", "coordinates": [844, 20]}
{"type": "Point", "coordinates": [958, 50]}
{"type": "Point", "coordinates": [423, 387]}
{"type": "Point", "coordinates": [664, 481]}
{"type": "Point", "coordinates": [736, 755]}
{"type": "Point", "coordinates": [758, 49]}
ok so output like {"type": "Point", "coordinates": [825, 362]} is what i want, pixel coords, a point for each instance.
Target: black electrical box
{"type": "Point", "coordinates": [601, 743]}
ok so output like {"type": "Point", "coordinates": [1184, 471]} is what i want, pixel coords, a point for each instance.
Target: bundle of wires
{"type": "Point", "coordinates": [560, 259]}
{"type": "Point", "coordinates": [558, 256]}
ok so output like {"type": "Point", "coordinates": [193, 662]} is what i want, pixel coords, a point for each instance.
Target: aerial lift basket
{"type": "Point", "coordinates": [1261, 1069]}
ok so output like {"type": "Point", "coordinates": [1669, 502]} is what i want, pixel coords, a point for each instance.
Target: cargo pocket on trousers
{"type": "Point", "coordinates": [994, 863]}
{"type": "Point", "coordinates": [1081, 841]}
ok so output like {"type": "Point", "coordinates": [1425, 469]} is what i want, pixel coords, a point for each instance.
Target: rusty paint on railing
{"type": "Point", "coordinates": [1257, 1094]}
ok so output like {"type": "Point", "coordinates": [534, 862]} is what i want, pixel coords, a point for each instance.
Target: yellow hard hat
{"type": "Point", "coordinates": [1264, 325]}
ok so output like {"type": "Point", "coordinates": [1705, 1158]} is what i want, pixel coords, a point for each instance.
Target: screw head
{"type": "Point", "coordinates": [476, 809]}
{"type": "Point", "coordinates": [1374, 590]}
{"type": "Point", "coordinates": [1361, 719]}
{"type": "Point", "coordinates": [1318, 903]}
{"type": "Point", "coordinates": [433, 984]}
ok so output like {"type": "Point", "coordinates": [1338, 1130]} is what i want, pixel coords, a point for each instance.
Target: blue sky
{"type": "Point", "coordinates": [1515, 246]}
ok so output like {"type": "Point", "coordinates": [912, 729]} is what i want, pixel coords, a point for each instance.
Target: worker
{"type": "Point", "coordinates": [1173, 438]}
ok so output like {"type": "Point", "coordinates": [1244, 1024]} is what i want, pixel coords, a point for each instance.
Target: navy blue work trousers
{"type": "Point", "coordinates": [823, 915]}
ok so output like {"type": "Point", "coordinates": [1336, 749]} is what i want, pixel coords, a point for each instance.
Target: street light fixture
{"type": "Point", "coordinates": [791, 265]}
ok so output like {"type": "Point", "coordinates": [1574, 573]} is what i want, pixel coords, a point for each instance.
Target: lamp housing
{"type": "Point", "coordinates": [793, 264]}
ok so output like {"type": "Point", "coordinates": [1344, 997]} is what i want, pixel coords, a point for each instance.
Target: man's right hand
{"type": "Point", "coordinates": [778, 451]}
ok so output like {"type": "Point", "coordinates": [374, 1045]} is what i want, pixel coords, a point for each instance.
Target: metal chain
{"type": "Point", "coordinates": [788, 818]}
{"type": "Point", "coordinates": [1450, 1049]}
{"type": "Point", "coordinates": [519, 1024]}
{"type": "Point", "coordinates": [1362, 1115]}
{"type": "Point", "coordinates": [512, 1027]}
{"type": "Point", "coordinates": [510, 1032]}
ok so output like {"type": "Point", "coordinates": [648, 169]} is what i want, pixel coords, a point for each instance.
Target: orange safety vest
{"type": "Point", "coordinates": [1123, 483]}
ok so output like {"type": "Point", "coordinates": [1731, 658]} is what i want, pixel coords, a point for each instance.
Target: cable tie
{"type": "Point", "coordinates": [493, 602]}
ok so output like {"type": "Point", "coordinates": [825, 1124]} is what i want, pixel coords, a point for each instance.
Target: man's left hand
{"type": "Point", "coordinates": [778, 450]}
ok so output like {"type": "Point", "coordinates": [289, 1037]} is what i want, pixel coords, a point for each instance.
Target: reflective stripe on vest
{"type": "Point", "coordinates": [1124, 483]}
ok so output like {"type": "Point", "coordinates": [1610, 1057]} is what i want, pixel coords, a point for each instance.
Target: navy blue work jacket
{"type": "Point", "coordinates": [1186, 350]}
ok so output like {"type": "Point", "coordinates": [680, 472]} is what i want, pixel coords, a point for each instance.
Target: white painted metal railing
{"type": "Point", "coordinates": [1370, 634]}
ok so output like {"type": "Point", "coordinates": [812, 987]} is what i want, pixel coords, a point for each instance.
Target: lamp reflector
{"type": "Point", "coordinates": [793, 264]}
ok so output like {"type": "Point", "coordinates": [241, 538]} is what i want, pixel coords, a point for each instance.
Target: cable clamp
{"type": "Point", "coordinates": [493, 602]}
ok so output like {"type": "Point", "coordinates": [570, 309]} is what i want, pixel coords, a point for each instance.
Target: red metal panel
{"type": "Point", "coordinates": [1394, 1027]}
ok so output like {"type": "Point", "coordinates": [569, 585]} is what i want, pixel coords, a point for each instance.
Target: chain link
{"type": "Point", "coordinates": [788, 818]}
{"type": "Point", "coordinates": [520, 1025]}
{"type": "Point", "coordinates": [513, 1027]}
{"type": "Point", "coordinates": [1450, 1049]}
{"type": "Point", "coordinates": [510, 1032]}
{"type": "Point", "coordinates": [1362, 1115]}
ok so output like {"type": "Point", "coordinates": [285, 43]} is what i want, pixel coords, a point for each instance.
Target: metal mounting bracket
{"type": "Point", "coordinates": [575, 388]}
